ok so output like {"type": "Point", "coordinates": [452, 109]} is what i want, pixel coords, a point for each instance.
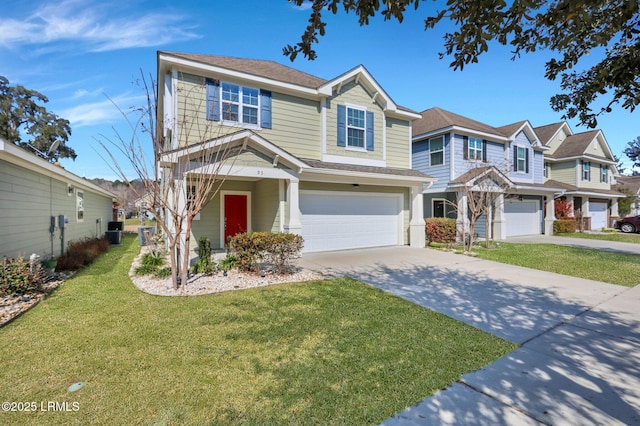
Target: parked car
{"type": "Point", "coordinates": [628, 224]}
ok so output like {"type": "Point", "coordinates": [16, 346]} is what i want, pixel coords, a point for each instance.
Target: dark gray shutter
{"type": "Point", "coordinates": [515, 158]}
{"type": "Point", "coordinates": [484, 150]}
{"type": "Point", "coordinates": [465, 147]}
{"type": "Point", "coordinates": [342, 125]}
{"type": "Point", "coordinates": [526, 160]}
{"type": "Point", "coordinates": [265, 109]}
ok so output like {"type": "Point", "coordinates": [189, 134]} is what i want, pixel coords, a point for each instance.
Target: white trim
{"type": "Point", "coordinates": [323, 127]}
{"type": "Point", "coordinates": [281, 203]}
{"type": "Point", "coordinates": [452, 153]}
{"type": "Point", "coordinates": [353, 160]}
{"type": "Point", "coordinates": [462, 131]}
{"type": "Point", "coordinates": [229, 192]}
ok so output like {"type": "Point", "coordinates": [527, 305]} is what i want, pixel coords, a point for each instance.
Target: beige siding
{"type": "Point", "coordinates": [265, 206]}
{"type": "Point", "coordinates": [319, 186]}
{"type": "Point", "coordinates": [296, 125]}
{"type": "Point", "coordinates": [28, 200]}
{"type": "Point", "coordinates": [295, 128]}
{"type": "Point", "coordinates": [398, 143]}
{"type": "Point", "coordinates": [594, 183]}
{"type": "Point", "coordinates": [355, 95]}
{"type": "Point", "coordinates": [556, 141]}
{"type": "Point", "coordinates": [564, 172]}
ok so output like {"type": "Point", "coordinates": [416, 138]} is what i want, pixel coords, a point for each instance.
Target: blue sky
{"type": "Point", "coordinates": [81, 53]}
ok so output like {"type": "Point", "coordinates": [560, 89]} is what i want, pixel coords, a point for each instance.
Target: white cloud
{"type": "Point", "coordinates": [101, 112]}
{"type": "Point", "coordinates": [97, 27]}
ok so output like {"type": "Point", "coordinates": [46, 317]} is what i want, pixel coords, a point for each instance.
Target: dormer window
{"type": "Point", "coordinates": [355, 127]}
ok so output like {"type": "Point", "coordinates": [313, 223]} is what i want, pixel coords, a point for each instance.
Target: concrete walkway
{"type": "Point", "coordinates": [579, 242]}
{"type": "Point", "coordinates": [579, 360]}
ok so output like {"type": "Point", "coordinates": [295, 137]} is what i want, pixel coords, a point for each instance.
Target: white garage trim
{"type": "Point", "coordinates": [523, 217]}
{"type": "Point", "coordinates": [339, 220]}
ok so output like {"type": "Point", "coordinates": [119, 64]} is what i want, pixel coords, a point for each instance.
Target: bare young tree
{"type": "Point", "coordinates": [478, 191]}
{"type": "Point", "coordinates": [182, 176]}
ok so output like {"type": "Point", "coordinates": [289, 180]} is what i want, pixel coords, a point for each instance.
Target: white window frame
{"type": "Point", "coordinates": [545, 170]}
{"type": "Point", "coordinates": [604, 176]}
{"type": "Point", "coordinates": [586, 171]}
{"type": "Point", "coordinates": [240, 104]}
{"type": "Point", "coordinates": [431, 151]}
{"type": "Point", "coordinates": [473, 151]}
{"type": "Point", "coordinates": [522, 159]}
{"type": "Point", "coordinates": [348, 126]}
{"type": "Point", "coordinates": [79, 206]}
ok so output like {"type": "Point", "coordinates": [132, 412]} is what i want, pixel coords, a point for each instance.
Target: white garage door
{"type": "Point", "coordinates": [523, 217]}
{"type": "Point", "coordinates": [598, 213]}
{"type": "Point", "coordinates": [347, 220]}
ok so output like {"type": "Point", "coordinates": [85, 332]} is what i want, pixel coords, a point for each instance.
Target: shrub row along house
{"type": "Point", "coordinates": [341, 163]}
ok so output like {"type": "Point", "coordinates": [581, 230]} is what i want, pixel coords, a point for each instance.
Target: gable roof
{"type": "Point", "coordinates": [479, 173]}
{"type": "Point", "coordinates": [545, 133]}
{"type": "Point", "coordinates": [632, 183]}
{"type": "Point", "coordinates": [575, 145]}
{"type": "Point", "coordinates": [272, 74]}
{"type": "Point", "coordinates": [510, 129]}
{"type": "Point", "coordinates": [435, 119]}
{"type": "Point", "coordinates": [256, 67]}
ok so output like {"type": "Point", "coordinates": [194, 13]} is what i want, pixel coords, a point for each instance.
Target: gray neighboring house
{"type": "Point", "coordinates": [34, 193]}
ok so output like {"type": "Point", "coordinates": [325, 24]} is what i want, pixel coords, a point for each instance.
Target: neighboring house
{"type": "Point", "coordinates": [34, 194]}
{"type": "Point", "coordinates": [630, 185]}
{"type": "Point", "coordinates": [465, 154]}
{"type": "Point", "coordinates": [327, 159]}
{"type": "Point", "coordinates": [584, 167]}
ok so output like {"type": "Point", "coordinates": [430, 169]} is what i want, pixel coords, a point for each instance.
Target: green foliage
{"type": "Point", "coordinates": [203, 265]}
{"type": "Point", "coordinates": [570, 30]}
{"type": "Point", "coordinates": [228, 263]}
{"type": "Point", "coordinates": [150, 264]}
{"type": "Point", "coordinates": [22, 114]}
{"type": "Point", "coordinates": [81, 253]}
{"type": "Point", "coordinates": [163, 272]}
{"type": "Point", "coordinates": [564, 226]}
{"type": "Point", "coordinates": [254, 248]}
{"type": "Point", "coordinates": [441, 229]}
{"type": "Point", "coordinates": [16, 276]}
{"type": "Point", "coordinates": [632, 151]}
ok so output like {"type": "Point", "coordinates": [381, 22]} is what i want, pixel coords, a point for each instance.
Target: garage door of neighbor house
{"type": "Point", "coordinates": [598, 213]}
{"type": "Point", "coordinates": [523, 217]}
{"type": "Point", "coordinates": [347, 220]}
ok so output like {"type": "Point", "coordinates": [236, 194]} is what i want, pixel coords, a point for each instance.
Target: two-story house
{"type": "Point", "coordinates": [327, 159]}
{"type": "Point", "coordinates": [584, 167]}
{"type": "Point", "coordinates": [461, 153]}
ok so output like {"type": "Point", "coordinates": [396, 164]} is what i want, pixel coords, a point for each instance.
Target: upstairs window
{"type": "Point", "coordinates": [546, 169]}
{"type": "Point", "coordinates": [436, 151]}
{"type": "Point", "coordinates": [603, 174]}
{"type": "Point", "coordinates": [239, 103]}
{"type": "Point", "coordinates": [79, 206]}
{"type": "Point", "coordinates": [236, 104]}
{"type": "Point", "coordinates": [586, 170]}
{"type": "Point", "coordinates": [521, 159]}
{"type": "Point", "coordinates": [475, 149]}
{"type": "Point", "coordinates": [355, 127]}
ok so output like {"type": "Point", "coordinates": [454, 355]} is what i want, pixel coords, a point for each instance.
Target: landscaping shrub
{"type": "Point", "coordinates": [204, 265]}
{"type": "Point", "coordinates": [16, 276]}
{"type": "Point", "coordinates": [441, 229]}
{"type": "Point", "coordinates": [150, 264]}
{"type": "Point", "coordinates": [564, 226]}
{"type": "Point", "coordinates": [253, 248]}
{"type": "Point", "coordinates": [81, 253]}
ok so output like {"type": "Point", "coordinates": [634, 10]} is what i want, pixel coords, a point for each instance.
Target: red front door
{"type": "Point", "coordinates": [235, 215]}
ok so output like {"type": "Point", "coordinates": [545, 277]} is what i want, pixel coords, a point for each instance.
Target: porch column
{"type": "Point", "coordinates": [614, 208]}
{"type": "Point", "coordinates": [462, 224]}
{"type": "Point", "coordinates": [499, 222]}
{"type": "Point", "coordinates": [293, 226]}
{"type": "Point", "coordinates": [417, 236]}
{"type": "Point", "coordinates": [573, 207]}
{"type": "Point", "coordinates": [550, 215]}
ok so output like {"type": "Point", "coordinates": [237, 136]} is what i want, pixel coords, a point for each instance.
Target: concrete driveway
{"type": "Point", "coordinates": [579, 359]}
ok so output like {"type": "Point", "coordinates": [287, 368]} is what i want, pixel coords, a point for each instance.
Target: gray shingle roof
{"type": "Point", "coordinates": [546, 132]}
{"type": "Point", "coordinates": [575, 145]}
{"type": "Point", "coordinates": [437, 118]}
{"type": "Point", "coordinates": [365, 169]}
{"type": "Point", "coordinates": [257, 67]}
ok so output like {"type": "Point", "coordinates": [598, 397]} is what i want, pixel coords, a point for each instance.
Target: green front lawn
{"type": "Point", "coordinates": [598, 265]}
{"type": "Point", "coordinates": [606, 236]}
{"type": "Point", "coordinates": [326, 352]}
